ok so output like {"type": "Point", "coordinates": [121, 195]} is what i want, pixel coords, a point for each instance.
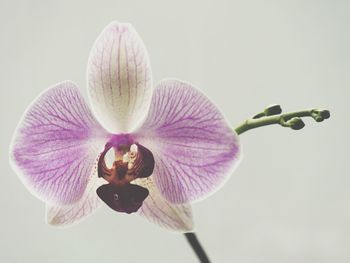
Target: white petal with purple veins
{"type": "Point", "coordinates": [56, 144]}
{"type": "Point", "coordinates": [70, 214]}
{"type": "Point", "coordinates": [119, 78]}
{"type": "Point", "coordinates": [161, 212]}
{"type": "Point", "coordinates": [194, 148]}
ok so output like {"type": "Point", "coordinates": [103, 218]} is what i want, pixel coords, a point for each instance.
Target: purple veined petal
{"type": "Point", "coordinates": [56, 144]}
{"type": "Point", "coordinates": [194, 148]}
{"type": "Point", "coordinates": [175, 217]}
{"type": "Point", "coordinates": [62, 216]}
{"type": "Point", "coordinates": [119, 78]}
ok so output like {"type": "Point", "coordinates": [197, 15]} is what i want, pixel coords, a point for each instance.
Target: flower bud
{"type": "Point", "coordinates": [320, 115]}
{"type": "Point", "coordinates": [296, 123]}
{"type": "Point", "coordinates": [273, 110]}
{"type": "Point", "coordinates": [325, 114]}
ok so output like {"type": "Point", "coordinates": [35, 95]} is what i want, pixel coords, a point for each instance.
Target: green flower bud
{"type": "Point", "coordinates": [296, 123]}
{"type": "Point", "coordinates": [325, 114]}
{"type": "Point", "coordinates": [273, 110]}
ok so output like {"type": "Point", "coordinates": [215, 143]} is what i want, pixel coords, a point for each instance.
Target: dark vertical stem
{"type": "Point", "coordinates": [196, 246]}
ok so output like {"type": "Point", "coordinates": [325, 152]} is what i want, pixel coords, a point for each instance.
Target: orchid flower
{"type": "Point", "coordinates": [171, 145]}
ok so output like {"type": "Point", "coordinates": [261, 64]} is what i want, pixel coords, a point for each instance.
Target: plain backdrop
{"type": "Point", "coordinates": [289, 201]}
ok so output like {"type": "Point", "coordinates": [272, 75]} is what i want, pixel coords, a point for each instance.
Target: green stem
{"type": "Point", "coordinates": [271, 115]}
{"type": "Point", "coordinates": [292, 119]}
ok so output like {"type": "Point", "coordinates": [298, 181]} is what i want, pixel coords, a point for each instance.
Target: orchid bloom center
{"type": "Point", "coordinates": [125, 168]}
{"type": "Point", "coordinates": [132, 161]}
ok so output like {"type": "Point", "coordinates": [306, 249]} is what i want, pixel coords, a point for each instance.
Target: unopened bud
{"type": "Point", "coordinates": [325, 114]}
{"type": "Point", "coordinates": [273, 110]}
{"type": "Point", "coordinates": [320, 115]}
{"type": "Point", "coordinates": [296, 123]}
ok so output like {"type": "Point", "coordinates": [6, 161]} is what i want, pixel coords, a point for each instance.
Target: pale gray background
{"type": "Point", "coordinates": [289, 201]}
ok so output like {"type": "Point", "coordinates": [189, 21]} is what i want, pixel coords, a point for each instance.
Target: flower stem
{"type": "Point", "coordinates": [196, 246]}
{"type": "Point", "coordinates": [272, 115]}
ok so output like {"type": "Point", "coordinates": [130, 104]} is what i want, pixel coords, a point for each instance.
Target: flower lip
{"type": "Point", "coordinates": [127, 199]}
{"type": "Point", "coordinates": [131, 161]}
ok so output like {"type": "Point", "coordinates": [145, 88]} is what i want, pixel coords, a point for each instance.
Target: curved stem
{"type": "Point", "coordinates": [271, 115]}
{"type": "Point", "coordinates": [291, 119]}
{"type": "Point", "coordinates": [196, 246]}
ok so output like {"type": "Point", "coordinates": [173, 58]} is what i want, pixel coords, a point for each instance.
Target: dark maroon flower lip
{"type": "Point", "coordinates": [132, 161]}
{"type": "Point", "coordinates": [126, 199]}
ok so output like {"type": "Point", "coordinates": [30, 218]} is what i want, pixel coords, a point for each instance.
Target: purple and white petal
{"type": "Point", "coordinates": [163, 213]}
{"type": "Point", "coordinates": [56, 145]}
{"type": "Point", "coordinates": [67, 215]}
{"type": "Point", "coordinates": [194, 148]}
{"type": "Point", "coordinates": [119, 78]}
